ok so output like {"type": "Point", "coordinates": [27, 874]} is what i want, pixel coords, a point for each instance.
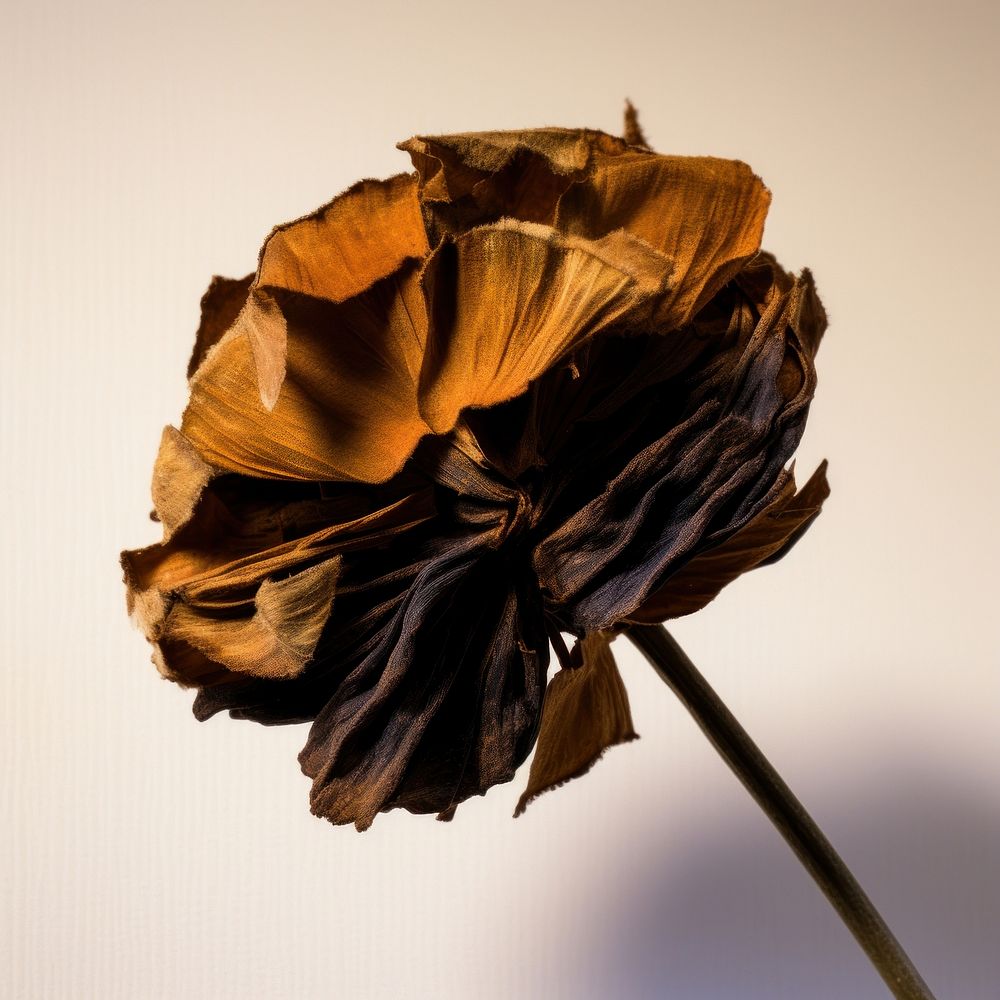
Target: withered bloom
{"type": "Point", "coordinates": [547, 383]}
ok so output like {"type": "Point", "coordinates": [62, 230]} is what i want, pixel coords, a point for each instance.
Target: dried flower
{"type": "Point", "coordinates": [545, 384]}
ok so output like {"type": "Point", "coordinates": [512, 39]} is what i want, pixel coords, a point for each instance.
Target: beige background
{"type": "Point", "coordinates": [145, 855]}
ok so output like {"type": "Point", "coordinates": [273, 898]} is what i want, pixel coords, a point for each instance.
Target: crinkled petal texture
{"type": "Point", "coordinates": [447, 703]}
{"type": "Point", "coordinates": [703, 453]}
{"type": "Point", "coordinates": [548, 382]}
{"type": "Point", "coordinates": [316, 379]}
{"type": "Point", "coordinates": [247, 585]}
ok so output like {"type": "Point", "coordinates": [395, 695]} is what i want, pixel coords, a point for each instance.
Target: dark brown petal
{"type": "Point", "coordinates": [808, 319]}
{"type": "Point", "coordinates": [487, 725]}
{"type": "Point", "coordinates": [633, 131]}
{"type": "Point", "coordinates": [726, 430]}
{"type": "Point", "coordinates": [580, 409]}
{"type": "Point", "coordinates": [220, 305]}
{"type": "Point", "coordinates": [508, 301]}
{"type": "Point", "coordinates": [347, 407]}
{"type": "Point", "coordinates": [763, 539]}
{"type": "Point", "coordinates": [585, 711]}
{"type": "Point", "coordinates": [705, 214]}
{"type": "Point", "coordinates": [444, 707]}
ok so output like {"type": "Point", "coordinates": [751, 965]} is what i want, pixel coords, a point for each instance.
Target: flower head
{"type": "Point", "coordinates": [547, 383]}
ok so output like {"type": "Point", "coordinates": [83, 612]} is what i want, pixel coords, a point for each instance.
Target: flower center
{"type": "Point", "coordinates": [517, 518]}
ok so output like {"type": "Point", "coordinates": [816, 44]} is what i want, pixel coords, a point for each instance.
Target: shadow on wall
{"type": "Point", "coordinates": [741, 919]}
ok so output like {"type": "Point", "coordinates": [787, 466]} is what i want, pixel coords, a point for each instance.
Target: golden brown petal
{"type": "Point", "coordinates": [584, 712]}
{"type": "Point", "coordinates": [508, 301]}
{"type": "Point", "coordinates": [272, 636]}
{"type": "Point", "coordinates": [344, 247]}
{"type": "Point", "coordinates": [705, 214]}
{"type": "Point", "coordinates": [262, 324]}
{"type": "Point", "coordinates": [230, 590]}
{"type": "Point", "coordinates": [334, 253]}
{"type": "Point", "coordinates": [189, 667]}
{"type": "Point", "coordinates": [179, 479]}
{"type": "Point", "coordinates": [652, 270]}
{"type": "Point", "coordinates": [347, 406]}
{"type": "Point", "coordinates": [220, 305]}
{"type": "Point", "coordinates": [763, 539]}
{"type": "Point", "coordinates": [221, 554]}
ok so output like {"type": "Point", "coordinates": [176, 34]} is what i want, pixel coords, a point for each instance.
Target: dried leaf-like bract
{"type": "Point", "coordinates": [547, 383]}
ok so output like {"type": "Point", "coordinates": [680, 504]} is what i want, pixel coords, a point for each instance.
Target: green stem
{"type": "Point", "coordinates": [783, 809]}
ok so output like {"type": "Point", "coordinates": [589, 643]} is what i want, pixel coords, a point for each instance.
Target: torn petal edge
{"type": "Point", "coordinates": [588, 652]}
{"type": "Point", "coordinates": [281, 636]}
{"type": "Point", "coordinates": [180, 476]}
{"type": "Point", "coordinates": [261, 318]}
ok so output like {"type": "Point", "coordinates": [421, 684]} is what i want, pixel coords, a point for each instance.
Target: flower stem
{"type": "Point", "coordinates": [783, 809]}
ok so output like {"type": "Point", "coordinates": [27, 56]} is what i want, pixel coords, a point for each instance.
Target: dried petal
{"type": "Point", "coordinates": [231, 586]}
{"type": "Point", "coordinates": [188, 667]}
{"type": "Point", "coordinates": [347, 408]}
{"type": "Point", "coordinates": [343, 248]}
{"type": "Point", "coordinates": [585, 711]}
{"type": "Point", "coordinates": [388, 735]}
{"type": "Point", "coordinates": [179, 479]}
{"type": "Point", "coordinates": [262, 325]}
{"type": "Point", "coordinates": [490, 338]}
{"type": "Point", "coordinates": [369, 595]}
{"type": "Point", "coordinates": [705, 214]}
{"type": "Point", "coordinates": [479, 177]}
{"type": "Point", "coordinates": [566, 151]}
{"type": "Point", "coordinates": [703, 479]}
{"type": "Point", "coordinates": [220, 305]}
{"type": "Point", "coordinates": [763, 539]}
{"type": "Point", "coordinates": [274, 635]}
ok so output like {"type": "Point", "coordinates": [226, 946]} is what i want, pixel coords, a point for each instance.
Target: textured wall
{"type": "Point", "coordinates": [147, 855]}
